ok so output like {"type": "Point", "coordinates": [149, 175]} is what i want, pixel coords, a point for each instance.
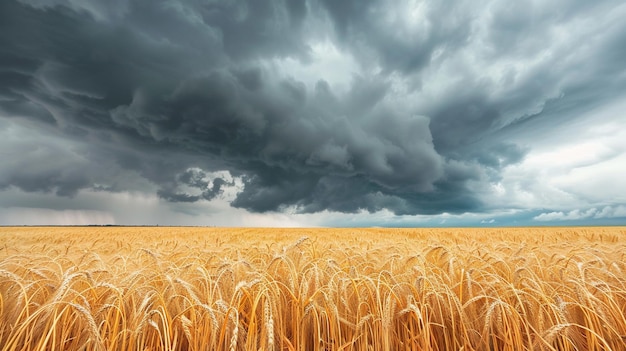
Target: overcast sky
{"type": "Point", "coordinates": [313, 112]}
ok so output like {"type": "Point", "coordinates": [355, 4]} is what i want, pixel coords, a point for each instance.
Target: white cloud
{"type": "Point", "coordinates": [578, 214]}
{"type": "Point", "coordinates": [578, 166]}
{"type": "Point", "coordinates": [611, 212]}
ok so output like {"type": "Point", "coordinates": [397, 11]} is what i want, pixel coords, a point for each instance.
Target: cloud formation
{"type": "Point", "coordinates": [158, 96]}
{"type": "Point", "coordinates": [606, 212]}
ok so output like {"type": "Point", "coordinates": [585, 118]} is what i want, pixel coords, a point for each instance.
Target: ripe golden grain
{"type": "Point", "coordinates": [312, 289]}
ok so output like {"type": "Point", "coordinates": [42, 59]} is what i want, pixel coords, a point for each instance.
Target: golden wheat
{"type": "Point", "coordinates": [312, 289]}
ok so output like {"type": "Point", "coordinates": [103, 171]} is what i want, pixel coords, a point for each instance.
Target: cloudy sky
{"type": "Point", "coordinates": [313, 112]}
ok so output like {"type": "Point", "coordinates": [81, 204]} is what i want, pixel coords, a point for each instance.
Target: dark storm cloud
{"type": "Point", "coordinates": [197, 180]}
{"type": "Point", "coordinates": [174, 90]}
{"type": "Point", "coordinates": [570, 76]}
{"type": "Point", "coordinates": [374, 29]}
{"type": "Point", "coordinates": [41, 165]}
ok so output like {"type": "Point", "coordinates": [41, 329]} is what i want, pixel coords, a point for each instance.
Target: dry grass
{"type": "Point", "coordinates": [312, 289]}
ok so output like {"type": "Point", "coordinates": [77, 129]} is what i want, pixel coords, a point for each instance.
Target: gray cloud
{"type": "Point", "coordinates": [399, 36]}
{"type": "Point", "coordinates": [197, 180]}
{"type": "Point", "coordinates": [172, 91]}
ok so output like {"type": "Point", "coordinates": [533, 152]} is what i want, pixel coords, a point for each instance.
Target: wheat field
{"type": "Point", "coordinates": [160, 288]}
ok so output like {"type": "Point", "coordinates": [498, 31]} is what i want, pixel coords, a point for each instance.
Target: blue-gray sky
{"type": "Point", "coordinates": [312, 112]}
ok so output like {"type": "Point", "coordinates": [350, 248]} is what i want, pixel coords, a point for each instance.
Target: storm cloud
{"type": "Point", "coordinates": [436, 103]}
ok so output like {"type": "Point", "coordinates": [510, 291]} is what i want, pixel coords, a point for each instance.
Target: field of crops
{"type": "Point", "coordinates": [118, 288]}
